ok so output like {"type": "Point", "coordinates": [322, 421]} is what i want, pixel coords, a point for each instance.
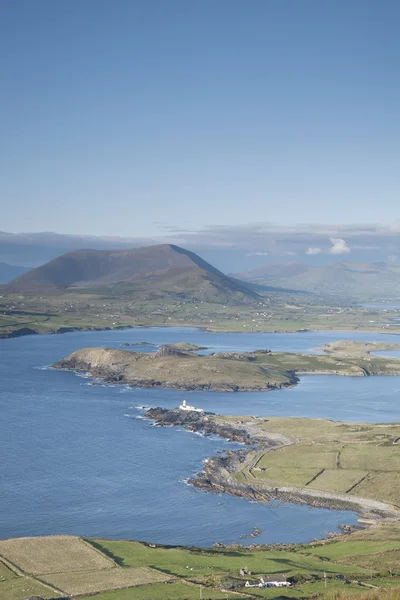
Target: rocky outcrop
{"type": "Point", "coordinates": [185, 347]}
{"type": "Point", "coordinates": [18, 333]}
{"type": "Point", "coordinates": [200, 422]}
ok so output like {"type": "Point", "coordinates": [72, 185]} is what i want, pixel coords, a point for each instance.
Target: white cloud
{"type": "Point", "coordinates": [257, 254]}
{"type": "Point", "coordinates": [339, 246]}
{"type": "Point", "coordinates": [312, 251]}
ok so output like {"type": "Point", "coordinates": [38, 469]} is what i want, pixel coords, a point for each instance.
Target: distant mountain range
{"type": "Point", "coordinates": [162, 268]}
{"type": "Point", "coordinates": [10, 272]}
{"type": "Point", "coordinates": [353, 279]}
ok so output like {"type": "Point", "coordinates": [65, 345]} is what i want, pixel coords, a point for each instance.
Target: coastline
{"type": "Point", "coordinates": [24, 331]}
{"type": "Point", "coordinates": [218, 473]}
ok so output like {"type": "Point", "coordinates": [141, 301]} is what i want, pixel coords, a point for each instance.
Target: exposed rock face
{"type": "Point", "coordinates": [195, 421]}
{"type": "Point", "coordinates": [169, 350]}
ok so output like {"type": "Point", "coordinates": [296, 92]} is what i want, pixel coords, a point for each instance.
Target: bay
{"type": "Point", "coordinates": [78, 458]}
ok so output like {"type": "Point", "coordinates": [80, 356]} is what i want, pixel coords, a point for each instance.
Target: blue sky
{"type": "Point", "coordinates": [133, 117]}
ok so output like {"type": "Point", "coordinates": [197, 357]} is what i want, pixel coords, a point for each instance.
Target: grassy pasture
{"type": "Point", "coordinates": [377, 561]}
{"type": "Point", "coordinates": [305, 457]}
{"type": "Point", "coordinates": [337, 480]}
{"type": "Point", "coordinates": [87, 582]}
{"type": "Point", "coordinates": [53, 554]}
{"type": "Point", "coordinates": [132, 576]}
{"type": "Point", "coordinates": [299, 592]}
{"type": "Point", "coordinates": [183, 562]}
{"type": "Point", "coordinates": [282, 475]}
{"type": "Point", "coordinates": [365, 456]}
{"type": "Point", "coordinates": [167, 591]}
{"type": "Point", "coordinates": [336, 550]}
{"type": "Point", "coordinates": [6, 573]}
{"type": "Point", "coordinates": [358, 459]}
{"type": "Point", "coordinates": [380, 485]}
{"type": "Point", "coordinates": [391, 594]}
{"type": "Point", "coordinates": [23, 587]}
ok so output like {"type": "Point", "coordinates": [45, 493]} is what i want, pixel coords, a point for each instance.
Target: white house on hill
{"type": "Point", "coordinates": [266, 582]}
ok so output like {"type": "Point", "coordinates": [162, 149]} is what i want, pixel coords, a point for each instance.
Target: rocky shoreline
{"type": "Point", "coordinates": [217, 475]}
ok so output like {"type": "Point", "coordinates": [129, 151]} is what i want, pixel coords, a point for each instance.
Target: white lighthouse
{"type": "Point", "coordinates": [185, 406]}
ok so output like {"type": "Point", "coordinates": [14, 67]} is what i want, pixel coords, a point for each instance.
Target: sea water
{"type": "Point", "coordinates": [77, 456]}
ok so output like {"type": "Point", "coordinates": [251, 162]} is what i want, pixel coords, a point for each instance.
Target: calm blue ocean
{"type": "Point", "coordinates": [78, 458]}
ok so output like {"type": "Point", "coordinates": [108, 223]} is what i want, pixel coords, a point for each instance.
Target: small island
{"type": "Point", "coordinates": [178, 366]}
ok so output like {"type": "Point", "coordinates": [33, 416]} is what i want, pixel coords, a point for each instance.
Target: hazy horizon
{"type": "Point", "coordinates": [230, 249]}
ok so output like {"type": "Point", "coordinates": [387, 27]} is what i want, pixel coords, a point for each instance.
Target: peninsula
{"type": "Point", "coordinates": [177, 366]}
{"type": "Point", "coordinates": [354, 466]}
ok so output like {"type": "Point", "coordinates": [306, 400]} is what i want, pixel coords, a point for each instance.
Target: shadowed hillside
{"type": "Point", "coordinates": [164, 267]}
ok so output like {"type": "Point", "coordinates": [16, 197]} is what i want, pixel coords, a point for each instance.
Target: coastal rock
{"type": "Point", "coordinates": [185, 347]}
{"type": "Point", "coordinates": [196, 421]}
{"type": "Point", "coordinates": [19, 332]}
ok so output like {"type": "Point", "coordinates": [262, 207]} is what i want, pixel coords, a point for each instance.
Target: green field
{"type": "Point", "coordinates": [6, 573]}
{"type": "Point", "coordinates": [338, 480]}
{"type": "Point", "coordinates": [23, 587]}
{"type": "Point", "coordinates": [345, 458]}
{"type": "Point", "coordinates": [148, 572]}
{"type": "Point", "coordinates": [169, 591]}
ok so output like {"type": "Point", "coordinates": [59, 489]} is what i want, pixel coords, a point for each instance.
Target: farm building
{"type": "Point", "coordinates": [266, 582]}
